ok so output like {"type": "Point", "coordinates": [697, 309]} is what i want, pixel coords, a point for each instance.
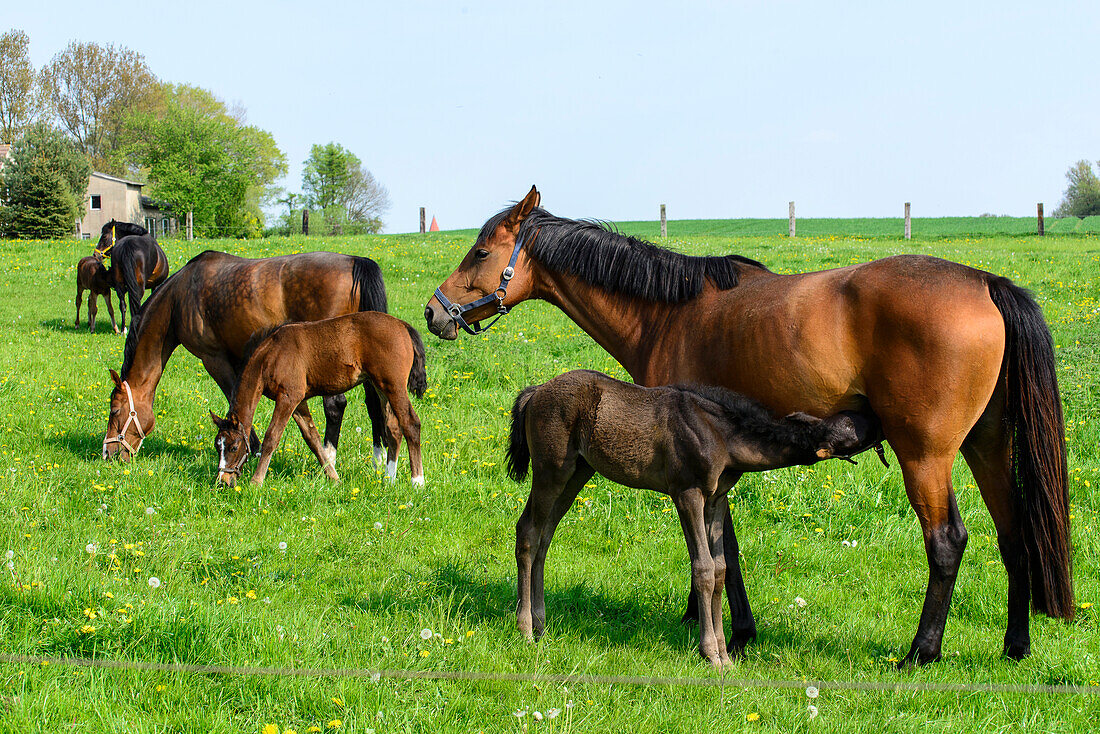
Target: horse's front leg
{"type": "Point", "coordinates": [690, 507]}
{"type": "Point", "coordinates": [304, 419]}
{"type": "Point", "coordinates": [284, 408]}
{"type": "Point", "coordinates": [93, 310]}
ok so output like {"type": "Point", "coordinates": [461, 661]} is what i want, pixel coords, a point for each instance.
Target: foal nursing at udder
{"type": "Point", "coordinates": [689, 442]}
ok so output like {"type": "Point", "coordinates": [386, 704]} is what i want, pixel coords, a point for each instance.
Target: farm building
{"type": "Point", "coordinates": [110, 197]}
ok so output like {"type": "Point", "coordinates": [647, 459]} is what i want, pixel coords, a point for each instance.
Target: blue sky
{"type": "Point", "coordinates": [612, 108]}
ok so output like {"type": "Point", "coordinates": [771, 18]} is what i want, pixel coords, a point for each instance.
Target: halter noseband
{"type": "Point", "coordinates": [456, 309]}
{"type": "Point", "coordinates": [236, 470]}
{"type": "Point", "coordinates": [103, 253]}
{"type": "Point", "coordinates": [121, 437]}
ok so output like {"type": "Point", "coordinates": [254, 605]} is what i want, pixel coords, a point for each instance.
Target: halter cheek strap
{"type": "Point", "coordinates": [132, 418]}
{"type": "Point", "coordinates": [456, 310]}
{"type": "Point", "coordinates": [103, 252]}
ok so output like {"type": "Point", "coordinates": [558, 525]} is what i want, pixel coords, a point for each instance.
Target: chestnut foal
{"type": "Point", "coordinates": [91, 276]}
{"type": "Point", "coordinates": [302, 360]}
{"type": "Point", "coordinates": [690, 442]}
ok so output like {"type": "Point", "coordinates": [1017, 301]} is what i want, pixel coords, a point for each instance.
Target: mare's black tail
{"type": "Point", "coordinates": [519, 453]}
{"type": "Point", "coordinates": [1033, 416]}
{"type": "Point", "coordinates": [367, 277]}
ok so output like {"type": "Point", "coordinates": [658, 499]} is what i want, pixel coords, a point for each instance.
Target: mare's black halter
{"type": "Point", "coordinates": [456, 310]}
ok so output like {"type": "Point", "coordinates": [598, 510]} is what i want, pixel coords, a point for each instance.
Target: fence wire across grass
{"type": "Point", "coordinates": [562, 678]}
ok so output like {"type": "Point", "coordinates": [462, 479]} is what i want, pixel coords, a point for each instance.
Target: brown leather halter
{"type": "Point", "coordinates": [121, 437]}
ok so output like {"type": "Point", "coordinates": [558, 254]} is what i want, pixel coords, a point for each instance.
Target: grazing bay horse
{"type": "Point", "coordinates": [91, 276]}
{"type": "Point", "coordinates": [329, 357]}
{"type": "Point", "coordinates": [214, 306]}
{"type": "Point", "coordinates": [689, 442]}
{"type": "Point", "coordinates": [948, 357]}
{"type": "Point", "coordinates": [137, 262]}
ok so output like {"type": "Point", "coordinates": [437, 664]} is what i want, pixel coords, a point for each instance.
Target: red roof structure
{"type": "Point", "coordinates": [434, 227]}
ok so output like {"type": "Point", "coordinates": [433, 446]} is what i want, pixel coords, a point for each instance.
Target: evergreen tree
{"type": "Point", "coordinates": [43, 186]}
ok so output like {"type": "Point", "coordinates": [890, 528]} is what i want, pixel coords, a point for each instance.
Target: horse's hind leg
{"type": "Point", "coordinates": [110, 310]}
{"type": "Point", "coordinates": [79, 298]}
{"type": "Point", "coordinates": [928, 485]}
{"type": "Point", "coordinates": [334, 418]}
{"type": "Point", "coordinates": [547, 484]}
{"type": "Point", "coordinates": [93, 310]}
{"type": "Point", "coordinates": [377, 420]}
{"type": "Point", "coordinates": [304, 419]}
{"type": "Point", "coordinates": [409, 424]}
{"type": "Point", "coordinates": [988, 452]}
{"type": "Point", "coordinates": [561, 505]}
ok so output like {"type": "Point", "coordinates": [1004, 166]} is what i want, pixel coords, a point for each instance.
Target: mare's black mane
{"type": "Point", "coordinates": [599, 255]}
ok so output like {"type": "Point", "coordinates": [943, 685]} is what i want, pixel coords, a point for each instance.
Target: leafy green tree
{"type": "Point", "coordinates": [199, 158]}
{"type": "Point", "coordinates": [335, 181]}
{"type": "Point", "coordinates": [43, 186]}
{"type": "Point", "coordinates": [92, 88]}
{"type": "Point", "coordinates": [19, 100]}
{"type": "Point", "coordinates": [1082, 196]}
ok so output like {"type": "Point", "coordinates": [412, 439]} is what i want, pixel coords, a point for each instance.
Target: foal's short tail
{"type": "Point", "coordinates": [519, 453]}
{"type": "Point", "coordinates": [418, 376]}
{"type": "Point", "coordinates": [367, 277]}
{"type": "Point", "coordinates": [1033, 415]}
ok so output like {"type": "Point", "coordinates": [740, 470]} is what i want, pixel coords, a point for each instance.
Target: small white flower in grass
{"type": "Point", "coordinates": [154, 582]}
{"type": "Point", "coordinates": [150, 511]}
{"type": "Point", "coordinates": [425, 634]}
{"type": "Point", "coordinates": [846, 543]}
{"type": "Point", "coordinates": [519, 713]}
{"type": "Point", "coordinates": [282, 546]}
{"type": "Point", "coordinates": [813, 711]}
{"type": "Point", "coordinates": [855, 543]}
{"type": "Point", "coordinates": [378, 526]}
{"type": "Point", "coordinates": [552, 713]}
{"type": "Point", "coordinates": [90, 549]}
{"type": "Point", "coordinates": [9, 555]}
{"type": "Point", "coordinates": [811, 692]}
{"type": "Point", "coordinates": [537, 716]}
{"type": "Point", "coordinates": [800, 602]}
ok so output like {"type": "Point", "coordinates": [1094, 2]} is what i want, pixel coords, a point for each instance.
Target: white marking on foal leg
{"type": "Point", "coordinates": [379, 454]}
{"type": "Point", "coordinates": [418, 481]}
{"type": "Point", "coordinates": [391, 470]}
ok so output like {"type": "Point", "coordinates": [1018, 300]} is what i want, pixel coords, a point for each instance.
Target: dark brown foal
{"type": "Point", "coordinates": [330, 357]}
{"type": "Point", "coordinates": [689, 442]}
{"type": "Point", "coordinates": [91, 276]}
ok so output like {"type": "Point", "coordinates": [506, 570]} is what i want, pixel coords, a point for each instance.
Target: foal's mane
{"type": "Point", "coordinates": [597, 254]}
{"type": "Point", "coordinates": [753, 418]}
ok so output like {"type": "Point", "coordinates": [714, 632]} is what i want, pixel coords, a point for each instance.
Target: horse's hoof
{"type": "Point", "coordinates": [1015, 651]}
{"type": "Point", "coordinates": [917, 658]}
{"type": "Point", "coordinates": [417, 481]}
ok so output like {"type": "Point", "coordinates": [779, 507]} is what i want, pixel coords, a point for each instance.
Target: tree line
{"type": "Point", "coordinates": [100, 107]}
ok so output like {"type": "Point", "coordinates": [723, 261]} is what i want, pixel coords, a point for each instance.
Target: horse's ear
{"type": "Point", "coordinates": [218, 422]}
{"type": "Point", "coordinates": [523, 208]}
{"type": "Point", "coordinates": [115, 377]}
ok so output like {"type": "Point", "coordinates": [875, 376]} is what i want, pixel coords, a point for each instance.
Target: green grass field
{"type": "Point", "coordinates": [367, 565]}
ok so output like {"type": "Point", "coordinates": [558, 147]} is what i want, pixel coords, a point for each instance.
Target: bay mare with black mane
{"type": "Point", "coordinates": [948, 357]}
{"type": "Point", "coordinates": [137, 262]}
{"type": "Point", "coordinates": [691, 442]}
{"type": "Point", "coordinates": [213, 306]}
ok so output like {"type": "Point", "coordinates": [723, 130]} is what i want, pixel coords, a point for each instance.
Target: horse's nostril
{"type": "Point", "coordinates": [428, 314]}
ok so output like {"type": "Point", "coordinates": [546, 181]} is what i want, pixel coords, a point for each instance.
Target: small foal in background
{"type": "Point", "coordinates": [689, 442]}
{"type": "Point", "coordinates": [329, 357]}
{"type": "Point", "coordinates": [91, 276]}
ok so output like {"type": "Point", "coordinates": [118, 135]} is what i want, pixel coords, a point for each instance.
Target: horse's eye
{"type": "Point", "coordinates": [481, 254]}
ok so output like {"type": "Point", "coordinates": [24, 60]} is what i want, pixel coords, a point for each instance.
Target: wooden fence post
{"type": "Point", "coordinates": [664, 223]}
{"type": "Point", "coordinates": [908, 227]}
{"type": "Point", "coordinates": [790, 216]}
{"type": "Point", "coordinates": [305, 222]}
{"type": "Point", "coordinates": [1042, 229]}
{"type": "Point", "coordinates": [422, 230]}
{"type": "Point", "coordinates": [190, 226]}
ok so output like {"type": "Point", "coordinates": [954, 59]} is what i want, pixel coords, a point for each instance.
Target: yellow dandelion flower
{"type": "Point", "coordinates": [334, 724]}
{"type": "Point", "coordinates": [752, 717]}
{"type": "Point", "coordinates": [270, 729]}
{"type": "Point", "coordinates": [251, 593]}
{"type": "Point", "coordinates": [87, 629]}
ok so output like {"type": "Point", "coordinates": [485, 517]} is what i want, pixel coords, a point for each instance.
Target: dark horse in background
{"type": "Point", "coordinates": [137, 260]}
{"type": "Point", "coordinates": [948, 357]}
{"type": "Point", "coordinates": [214, 306]}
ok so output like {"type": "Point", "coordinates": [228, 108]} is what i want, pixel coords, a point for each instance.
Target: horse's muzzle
{"type": "Point", "coordinates": [227, 478]}
{"type": "Point", "coordinates": [440, 322]}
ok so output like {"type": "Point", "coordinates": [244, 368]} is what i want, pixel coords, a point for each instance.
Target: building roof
{"type": "Point", "coordinates": [116, 178]}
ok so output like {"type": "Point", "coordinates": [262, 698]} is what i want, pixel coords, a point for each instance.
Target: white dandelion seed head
{"type": "Point", "coordinates": [552, 713]}
{"type": "Point", "coordinates": [537, 716]}
{"type": "Point", "coordinates": [282, 546]}
{"type": "Point", "coordinates": [425, 634]}
{"type": "Point", "coordinates": [150, 511]}
{"type": "Point", "coordinates": [378, 526]}
{"type": "Point", "coordinates": [90, 549]}
{"type": "Point", "coordinates": [519, 713]}
{"type": "Point", "coordinates": [812, 692]}
{"type": "Point", "coordinates": [800, 602]}
{"type": "Point", "coordinates": [9, 555]}
{"type": "Point", "coordinates": [813, 711]}
{"type": "Point", "coordinates": [375, 677]}
{"type": "Point", "coordinates": [154, 582]}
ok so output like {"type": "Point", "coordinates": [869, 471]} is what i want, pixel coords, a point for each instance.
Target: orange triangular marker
{"type": "Point", "coordinates": [434, 227]}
